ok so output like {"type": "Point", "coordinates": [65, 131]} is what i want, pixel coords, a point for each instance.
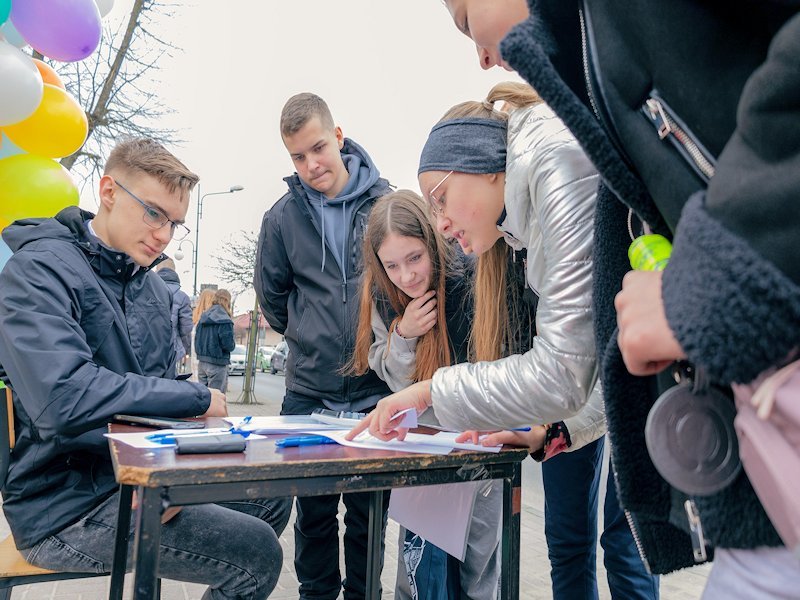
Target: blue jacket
{"type": "Point", "coordinates": [84, 335]}
{"type": "Point", "coordinates": [213, 340]}
{"type": "Point", "coordinates": [314, 304]}
{"type": "Point", "coordinates": [181, 312]}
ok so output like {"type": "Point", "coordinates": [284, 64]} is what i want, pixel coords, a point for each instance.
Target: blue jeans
{"type": "Point", "coordinates": [571, 484]}
{"type": "Point", "coordinates": [316, 532]}
{"type": "Point", "coordinates": [232, 547]}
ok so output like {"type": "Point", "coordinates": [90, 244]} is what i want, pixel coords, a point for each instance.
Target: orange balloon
{"type": "Point", "coordinates": [48, 73]}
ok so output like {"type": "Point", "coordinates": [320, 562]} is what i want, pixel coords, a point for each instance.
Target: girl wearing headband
{"type": "Point", "coordinates": [520, 180]}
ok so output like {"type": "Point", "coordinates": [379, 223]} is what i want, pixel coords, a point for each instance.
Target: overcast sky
{"type": "Point", "coordinates": [388, 71]}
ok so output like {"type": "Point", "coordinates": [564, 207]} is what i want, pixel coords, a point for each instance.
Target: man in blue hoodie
{"type": "Point", "coordinates": [85, 334]}
{"type": "Point", "coordinates": [307, 273]}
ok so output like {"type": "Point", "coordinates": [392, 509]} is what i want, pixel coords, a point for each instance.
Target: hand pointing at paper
{"type": "Point", "coordinates": [416, 396]}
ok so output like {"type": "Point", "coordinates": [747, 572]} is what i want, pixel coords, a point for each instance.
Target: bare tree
{"type": "Point", "coordinates": [116, 87]}
{"type": "Point", "coordinates": [237, 262]}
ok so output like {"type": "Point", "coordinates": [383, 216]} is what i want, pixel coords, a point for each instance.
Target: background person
{"type": "Point", "coordinates": [181, 311]}
{"type": "Point", "coordinates": [214, 342]}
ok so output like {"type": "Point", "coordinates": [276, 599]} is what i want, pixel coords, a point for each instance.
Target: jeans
{"type": "Point", "coordinates": [571, 484]}
{"type": "Point", "coordinates": [201, 544]}
{"type": "Point", "coordinates": [316, 532]}
{"type": "Point", "coordinates": [213, 376]}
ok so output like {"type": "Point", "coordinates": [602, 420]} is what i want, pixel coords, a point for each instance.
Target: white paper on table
{"type": "Point", "coordinates": [441, 514]}
{"type": "Point", "coordinates": [440, 443]}
{"type": "Point", "coordinates": [138, 439]}
{"type": "Point", "coordinates": [283, 424]}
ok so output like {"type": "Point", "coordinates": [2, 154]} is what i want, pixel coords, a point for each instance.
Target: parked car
{"type": "Point", "coordinates": [263, 358]}
{"type": "Point", "coordinates": [238, 360]}
{"type": "Point", "coordinates": [278, 360]}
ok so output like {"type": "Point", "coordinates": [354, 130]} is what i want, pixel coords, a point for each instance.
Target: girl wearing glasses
{"type": "Point", "coordinates": [496, 180]}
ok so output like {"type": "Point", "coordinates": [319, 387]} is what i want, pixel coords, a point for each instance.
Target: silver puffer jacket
{"type": "Point", "coordinates": [550, 199]}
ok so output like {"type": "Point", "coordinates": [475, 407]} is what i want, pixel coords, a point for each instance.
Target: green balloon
{"type": "Point", "coordinates": [34, 186]}
{"type": "Point", "coordinates": [5, 10]}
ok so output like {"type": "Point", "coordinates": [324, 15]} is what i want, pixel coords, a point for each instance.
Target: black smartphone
{"type": "Point", "coordinates": [183, 376]}
{"type": "Point", "coordinates": [158, 422]}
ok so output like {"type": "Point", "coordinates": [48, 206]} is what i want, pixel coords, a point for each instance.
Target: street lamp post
{"type": "Point", "coordinates": [195, 259]}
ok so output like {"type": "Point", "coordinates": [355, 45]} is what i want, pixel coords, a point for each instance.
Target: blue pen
{"type": "Point", "coordinates": [169, 438]}
{"type": "Point", "coordinates": [520, 429]}
{"type": "Point", "coordinates": [304, 440]}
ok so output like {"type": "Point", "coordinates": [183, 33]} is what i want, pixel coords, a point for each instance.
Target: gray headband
{"type": "Point", "coordinates": [468, 145]}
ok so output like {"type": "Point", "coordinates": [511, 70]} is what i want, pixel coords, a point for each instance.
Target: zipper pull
{"type": "Point", "coordinates": [696, 531]}
{"type": "Point", "coordinates": [344, 293]}
{"type": "Point", "coordinates": [659, 117]}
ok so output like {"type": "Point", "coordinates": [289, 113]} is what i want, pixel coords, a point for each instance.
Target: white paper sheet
{"type": "Point", "coordinates": [284, 424]}
{"type": "Point", "coordinates": [440, 443]}
{"type": "Point", "coordinates": [441, 514]}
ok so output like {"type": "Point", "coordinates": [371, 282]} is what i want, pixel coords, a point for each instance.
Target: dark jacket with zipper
{"type": "Point", "coordinates": [310, 301]}
{"type": "Point", "coordinates": [213, 340]}
{"type": "Point", "coordinates": [84, 335]}
{"type": "Point", "coordinates": [690, 112]}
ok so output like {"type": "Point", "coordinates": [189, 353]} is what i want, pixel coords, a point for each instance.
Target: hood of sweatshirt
{"type": "Point", "coordinates": [333, 214]}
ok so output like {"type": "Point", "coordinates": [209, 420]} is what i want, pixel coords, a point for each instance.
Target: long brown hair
{"type": "Point", "coordinates": [493, 334]}
{"type": "Point", "coordinates": [403, 213]}
{"type": "Point", "coordinates": [203, 304]}
{"type": "Point", "coordinates": [222, 297]}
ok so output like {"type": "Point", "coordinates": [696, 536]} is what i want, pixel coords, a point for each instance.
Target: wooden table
{"type": "Point", "coordinates": [166, 479]}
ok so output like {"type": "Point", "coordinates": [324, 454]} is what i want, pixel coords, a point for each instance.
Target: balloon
{"type": "Point", "coordinates": [7, 147]}
{"type": "Point", "coordinates": [48, 74]}
{"type": "Point", "coordinates": [20, 85]}
{"type": "Point", "coordinates": [5, 253]}
{"type": "Point", "coordinates": [34, 186]}
{"type": "Point", "coordinates": [5, 10]}
{"type": "Point", "coordinates": [12, 36]}
{"type": "Point", "coordinates": [57, 128]}
{"type": "Point", "coordinates": [66, 30]}
{"type": "Point", "coordinates": [104, 6]}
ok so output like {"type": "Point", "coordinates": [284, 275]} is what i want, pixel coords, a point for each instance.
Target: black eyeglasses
{"type": "Point", "coordinates": [156, 218]}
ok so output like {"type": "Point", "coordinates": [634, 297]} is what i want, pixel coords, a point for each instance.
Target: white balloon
{"type": "Point", "coordinates": [11, 35]}
{"type": "Point", "coordinates": [104, 6]}
{"type": "Point", "coordinates": [21, 85]}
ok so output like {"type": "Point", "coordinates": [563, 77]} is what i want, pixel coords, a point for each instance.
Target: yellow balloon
{"type": "Point", "coordinates": [56, 129]}
{"type": "Point", "coordinates": [34, 186]}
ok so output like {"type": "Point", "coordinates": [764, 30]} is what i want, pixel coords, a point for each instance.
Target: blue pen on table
{"type": "Point", "coordinates": [304, 440]}
{"type": "Point", "coordinates": [169, 438]}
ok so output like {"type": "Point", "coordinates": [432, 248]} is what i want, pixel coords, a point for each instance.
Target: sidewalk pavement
{"type": "Point", "coordinates": [534, 567]}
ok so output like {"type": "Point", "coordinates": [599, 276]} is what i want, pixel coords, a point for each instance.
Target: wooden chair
{"type": "Point", "coordinates": [14, 569]}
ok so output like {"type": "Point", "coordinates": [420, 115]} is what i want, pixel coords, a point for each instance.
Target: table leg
{"type": "Point", "coordinates": [121, 543]}
{"type": "Point", "coordinates": [148, 535]}
{"type": "Point", "coordinates": [512, 504]}
{"type": "Point", "coordinates": [374, 557]}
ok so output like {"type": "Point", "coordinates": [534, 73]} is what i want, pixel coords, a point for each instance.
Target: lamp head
{"type": "Point", "coordinates": [236, 188]}
{"type": "Point", "coordinates": [179, 255]}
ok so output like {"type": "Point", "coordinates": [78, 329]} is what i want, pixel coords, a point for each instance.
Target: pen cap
{"type": "Point", "coordinates": [649, 252]}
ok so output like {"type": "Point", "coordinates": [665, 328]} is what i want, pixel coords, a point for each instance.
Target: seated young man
{"type": "Point", "coordinates": [85, 333]}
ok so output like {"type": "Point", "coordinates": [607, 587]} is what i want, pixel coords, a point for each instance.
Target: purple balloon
{"type": "Point", "coordinates": [65, 30]}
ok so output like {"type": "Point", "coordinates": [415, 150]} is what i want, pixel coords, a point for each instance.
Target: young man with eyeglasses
{"type": "Point", "coordinates": [85, 333]}
{"type": "Point", "coordinates": [306, 278]}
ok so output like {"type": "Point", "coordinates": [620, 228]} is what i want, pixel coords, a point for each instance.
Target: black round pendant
{"type": "Point", "coordinates": [691, 440]}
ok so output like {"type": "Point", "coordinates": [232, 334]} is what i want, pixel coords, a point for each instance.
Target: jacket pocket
{"type": "Point", "coordinates": [671, 129]}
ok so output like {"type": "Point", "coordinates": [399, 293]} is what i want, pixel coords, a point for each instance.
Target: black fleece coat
{"type": "Point", "coordinates": [732, 288]}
